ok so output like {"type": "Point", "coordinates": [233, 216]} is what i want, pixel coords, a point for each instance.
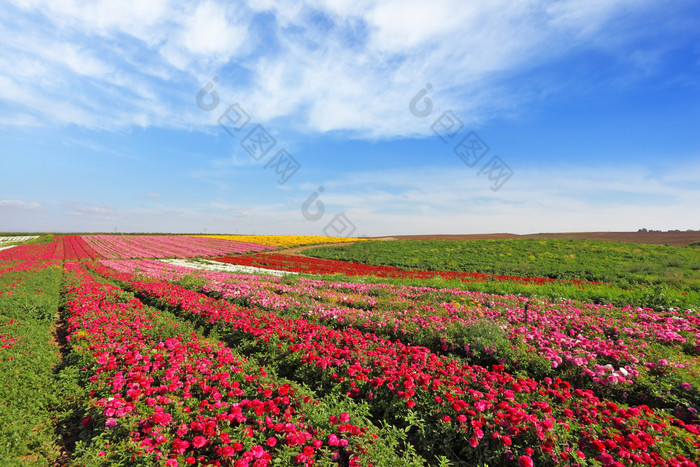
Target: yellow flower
{"type": "Point", "coordinates": [285, 241]}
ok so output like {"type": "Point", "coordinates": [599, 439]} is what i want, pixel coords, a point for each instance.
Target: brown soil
{"type": "Point", "coordinates": [68, 439]}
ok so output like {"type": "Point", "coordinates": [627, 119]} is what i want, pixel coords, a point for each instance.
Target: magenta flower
{"type": "Point", "coordinates": [199, 441]}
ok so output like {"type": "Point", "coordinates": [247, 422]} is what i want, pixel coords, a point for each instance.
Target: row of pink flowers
{"type": "Point", "coordinates": [182, 401]}
{"type": "Point", "coordinates": [492, 410]}
{"type": "Point", "coordinates": [166, 246]}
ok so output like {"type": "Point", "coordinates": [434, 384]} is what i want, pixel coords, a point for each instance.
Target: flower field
{"type": "Point", "coordinates": [59, 248]}
{"type": "Point", "coordinates": [286, 241]}
{"type": "Point", "coordinates": [487, 410]}
{"type": "Point", "coordinates": [605, 348]}
{"type": "Point", "coordinates": [69, 247]}
{"type": "Point", "coordinates": [8, 241]}
{"type": "Point", "coordinates": [159, 362]}
{"type": "Point", "coordinates": [165, 246]}
{"type": "Point", "coordinates": [323, 266]}
{"type": "Point", "coordinates": [181, 400]}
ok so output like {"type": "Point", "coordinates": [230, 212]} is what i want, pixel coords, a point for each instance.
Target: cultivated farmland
{"type": "Point", "coordinates": [155, 350]}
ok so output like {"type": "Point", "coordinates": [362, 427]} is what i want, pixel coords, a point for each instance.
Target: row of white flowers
{"type": "Point", "coordinates": [15, 239]}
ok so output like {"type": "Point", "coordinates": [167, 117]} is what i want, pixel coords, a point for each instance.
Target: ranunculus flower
{"type": "Point", "coordinates": [333, 440]}
{"type": "Point", "coordinates": [199, 441]}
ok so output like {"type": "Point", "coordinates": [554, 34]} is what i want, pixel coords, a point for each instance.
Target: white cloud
{"type": "Point", "coordinates": [15, 205]}
{"type": "Point", "coordinates": [413, 201]}
{"type": "Point", "coordinates": [102, 64]}
{"type": "Point", "coordinates": [208, 32]}
{"type": "Point", "coordinates": [93, 212]}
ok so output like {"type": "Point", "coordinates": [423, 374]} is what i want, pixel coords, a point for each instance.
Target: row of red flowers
{"type": "Point", "coordinates": [67, 247]}
{"type": "Point", "coordinates": [309, 265]}
{"type": "Point", "coordinates": [180, 400]}
{"type": "Point", "coordinates": [72, 247]}
{"type": "Point", "coordinates": [475, 411]}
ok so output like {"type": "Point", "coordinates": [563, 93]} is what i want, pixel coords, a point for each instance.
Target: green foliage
{"type": "Point", "coordinates": [637, 274]}
{"type": "Point", "coordinates": [32, 394]}
{"type": "Point", "coordinates": [192, 282]}
{"type": "Point", "coordinates": [615, 262]}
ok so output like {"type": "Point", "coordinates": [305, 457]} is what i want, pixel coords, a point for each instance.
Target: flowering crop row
{"type": "Point", "coordinates": [35, 251]}
{"type": "Point", "coordinates": [66, 247]}
{"type": "Point", "coordinates": [75, 247]}
{"type": "Point", "coordinates": [163, 246]}
{"type": "Point", "coordinates": [286, 241]}
{"type": "Point", "coordinates": [309, 265]}
{"type": "Point", "coordinates": [15, 239]}
{"type": "Point", "coordinates": [180, 400]}
{"type": "Point", "coordinates": [13, 266]}
{"type": "Point", "coordinates": [225, 267]}
{"type": "Point", "coordinates": [21, 269]}
{"type": "Point", "coordinates": [596, 345]}
{"type": "Point", "coordinates": [483, 415]}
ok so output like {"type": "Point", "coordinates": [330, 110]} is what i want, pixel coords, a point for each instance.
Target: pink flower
{"type": "Point", "coordinates": [525, 461]}
{"type": "Point", "coordinates": [257, 451]}
{"type": "Point", "coordinates": [179, 445]}
{"type": "Point", "coordinates": [271, 441]}
{"type": "Point", "coordinates": [199, 441]}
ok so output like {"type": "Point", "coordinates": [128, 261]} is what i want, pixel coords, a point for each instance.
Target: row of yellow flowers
{"type": "Point", "coordinates": [285, 241]}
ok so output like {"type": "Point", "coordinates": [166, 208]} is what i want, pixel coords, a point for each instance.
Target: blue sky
{"type": "Point", "coordinates": [589, 109]}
